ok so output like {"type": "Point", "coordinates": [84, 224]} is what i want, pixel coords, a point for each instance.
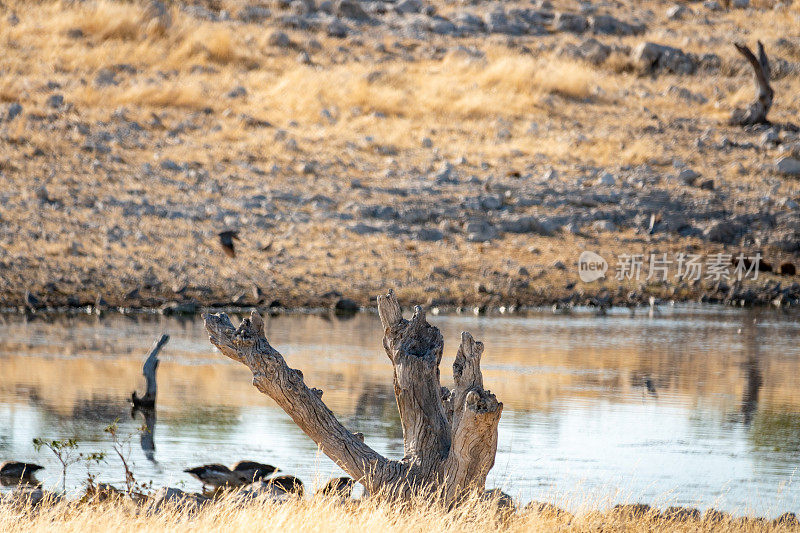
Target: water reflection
{"type": "Point", "coordinates": [693, 406]}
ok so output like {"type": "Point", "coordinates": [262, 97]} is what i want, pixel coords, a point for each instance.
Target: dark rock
{"type": "Point", "coordinates": [681, 514]}
{"type": "Point", "coordinates": [480, 231]}
{"type": "Point", "coordinates": [31, 301]}
{"type": "Point", "coordinates": [590, 50]}
{"type": "Point", "coordinates": [254, 13]}
{"type": "Point", "coordinates": [787, 269]}
{"type": "Point", "coordinates": [337, 29]}
{"type": "Point", "coordinates": [55, 101]}
{"type": "Point", "coordinates": [633, 510]}
{"type": "Point", "coordinates": [169, 164]}
{"type": "Point", "coordinates": [468, 23]}
{"type": "Point", "coordinates": [724, 232]}
{"type": "Point", "coordinates": [652, 57]}
{"type": "Point", "coordinates": [430, 235]}
{"type": "Point", "coordinates": [350, 9]}
{"type": "Point", "coordinates": [408, 6]}
{"type": "Point", "coordinates": [237, 92]}
{"type": "Point", "coordinates": [570, 22]}
{"type": "Point", "coordinates": [178, 308]}
{"type": "Point", "coordinates": [106, 77]}
{"type": "Point", "coordinates": [13, 111]}
{"type": "Point", "coordinates": [279, 39]}
{"type": "Point", "coordinates": [346, 305]}
{"type": "Point", "coordinates": [787, 519]}
{"type": "Point", "coordinates": [707, 185]}
{"type": "Point", "coordinates": [608, 25]}
{"type": "Point", "coordinates": [788, 166]}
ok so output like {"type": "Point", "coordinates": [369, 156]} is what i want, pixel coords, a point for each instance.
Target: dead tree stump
{"type": "Point", "coordinates": [756, 112]}
{"type": "Point", "coordinates": [449, 436]}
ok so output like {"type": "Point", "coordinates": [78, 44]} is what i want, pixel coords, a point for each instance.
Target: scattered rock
{"type": "Point", "coordinates": [408, 6]}
{"type": "Point", "coordinates": [570, 22]}
{"type": "Point", "coordinates": [678, 12]}
{"type": "Point", "coordinates": [526, 224]}
{"type": "Point", "coordinates": [788, 166]}
{"type": "Point", "coordinates": [590, 50]}
{"type": "Point", "coordinates": [559, 265]}
{"type": "Point", "coordinates": [237, 92]}
{"type": "Point", "coordinates": [55, 101]}
{"type": "Point", "coordinates": [608, 25]}
{"type": "Point", "coordinates": [350, 9]}
{"type": "Point", "coordinates": [279, 39]}
{"type": "Point", "coordinates": [685, 94]}
{"type": "Point", "coordinates": [687, 176]}
{"type": "Point", "coordinates": [363, 229]}
{"type": "Point", "coordinates": [480, 231]}
{"type": "Point", "coordinates": [723, 232]}
{"type": "Point", "coordinates": [337, 29]}
{"type": "Point", "coordinates": [430, 235]}
{"type": "Point", "coordinates": [652, 57]}
{"type": "Point", "coordinates": [169, 164]}
{"type": "Point", "coordinates": [254, 14]}
{"type": "Point", "coordinates": [707, 185]}
{"type": "Point", "coordinates": [13, 111]}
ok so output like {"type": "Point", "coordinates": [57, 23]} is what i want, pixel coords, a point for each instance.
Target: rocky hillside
{"type": "Point", "coordinates": [464, 153]}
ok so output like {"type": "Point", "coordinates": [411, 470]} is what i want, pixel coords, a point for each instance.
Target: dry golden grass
{"type": "Point", "coordinates": [329, 515]}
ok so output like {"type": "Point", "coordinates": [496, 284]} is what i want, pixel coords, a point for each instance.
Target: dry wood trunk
{"type": "Point", "coordinates": [756, 112]}
{"type": "Point", "coordinates": [449, 436]}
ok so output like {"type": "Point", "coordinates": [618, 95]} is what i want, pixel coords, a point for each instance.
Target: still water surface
{"type": "Point", "coordinates": [693, 406]}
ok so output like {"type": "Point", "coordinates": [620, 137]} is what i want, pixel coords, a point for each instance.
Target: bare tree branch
{"type": "Point", "coordinates": [756, 113]}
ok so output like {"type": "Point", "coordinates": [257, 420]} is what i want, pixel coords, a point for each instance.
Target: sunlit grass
{"type": "Point", "coordinates": [331, 515]}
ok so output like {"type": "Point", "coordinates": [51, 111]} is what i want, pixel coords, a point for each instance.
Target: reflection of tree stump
{"type": "Point", "coordinates": [449, 436]}
{"type": "Point", "coordinates": [148, 401]}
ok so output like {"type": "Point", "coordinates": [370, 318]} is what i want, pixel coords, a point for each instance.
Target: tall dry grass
{"type": "Point", "coordinates": [331, 515]}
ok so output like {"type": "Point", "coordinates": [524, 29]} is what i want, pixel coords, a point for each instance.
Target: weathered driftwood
{"type": "Point", "coordinates": [756, 112]}
{"type": "Point", "coordinates": [449, 436]}
{"type": "Point", "coordinates": [148, 401]}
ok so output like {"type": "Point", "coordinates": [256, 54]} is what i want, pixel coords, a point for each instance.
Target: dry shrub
{"type": "Point", "coordinates": [206, 43]}
{"type": "Point", "coordinates": [175, 94]}
{"type": "Point", "coordinates": [110, 20]}
{"type": "Point", "coordinates": [568, 79]}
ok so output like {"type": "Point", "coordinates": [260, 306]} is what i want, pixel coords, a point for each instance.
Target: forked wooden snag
{"type": "Point", "coordinates": [449, 436]}
{"type": "Point", "coordinates": [148, 401]}
{"type": "Point", "coordinates": [756, 112]}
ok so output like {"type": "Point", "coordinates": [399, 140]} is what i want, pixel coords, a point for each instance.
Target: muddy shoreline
{"type": "Point", "coordinates": [771, 293]}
